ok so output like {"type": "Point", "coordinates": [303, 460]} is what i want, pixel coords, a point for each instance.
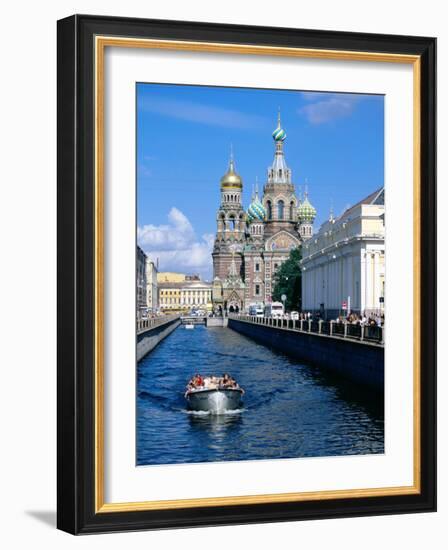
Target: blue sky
{"type": "Point", "coordinates": [335, 142]}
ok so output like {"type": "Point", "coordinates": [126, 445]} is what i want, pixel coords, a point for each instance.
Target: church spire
{"type": "Point", "coordinates": [279, 171]}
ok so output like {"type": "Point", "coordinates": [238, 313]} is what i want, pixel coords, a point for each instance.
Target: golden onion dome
{"type": "Point", "coordinates": [231, 178]}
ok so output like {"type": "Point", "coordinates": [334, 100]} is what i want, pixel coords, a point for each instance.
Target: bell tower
{"type": "Point", "coordinates": [279, 198]}
{"type": "Point", "coordinates": [230, 223]}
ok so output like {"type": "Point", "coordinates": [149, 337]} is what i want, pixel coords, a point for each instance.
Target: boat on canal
{"type": "Point", "coordinates": [189, 326]}
{"type": "Point", "coordinates": [216, 395]}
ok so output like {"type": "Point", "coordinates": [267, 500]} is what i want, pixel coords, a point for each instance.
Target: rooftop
{"type": "Point", "coordinates": [185, 284]}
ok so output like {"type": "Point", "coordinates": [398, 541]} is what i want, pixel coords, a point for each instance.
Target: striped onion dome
{"type": "Point", "coordinates": [306, 211]}
{"type": "Point", "coordinates": [256, 211]}
{"type": "Point", "coordinates": [279, 134]}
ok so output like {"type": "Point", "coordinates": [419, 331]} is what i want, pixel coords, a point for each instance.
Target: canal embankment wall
{"type": "Point", "coordinates": [360, 362]}
{"type": "Point", "coordinates": [151, 332]}
{"type": "Point", "coordinates": [217, 321]}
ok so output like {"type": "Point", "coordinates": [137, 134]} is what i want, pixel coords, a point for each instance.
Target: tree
{"type": "Point", "coordinates": [288, 281]}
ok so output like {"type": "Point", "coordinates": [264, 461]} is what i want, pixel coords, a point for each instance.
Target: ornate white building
{"type": "Point", "coordinates": [343, 264]}
{"type": "Point", "coordinates": [251, 246]}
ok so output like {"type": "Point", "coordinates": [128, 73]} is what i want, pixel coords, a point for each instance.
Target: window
{"type": "Point", "coordinates": [269, 209]}
{"type": "Point", "coordinates": [257, 267]}
{"type": "Point", "coordinates": [280, 210]}
{"type": "Point", "coordinates": [232, 223]}
{"type": "Point", "coordinates": [291, 211]}
{"type": "Point", "coordinates": [257, 290]}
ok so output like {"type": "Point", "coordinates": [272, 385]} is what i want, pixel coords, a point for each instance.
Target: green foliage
{"type": "Point", "coordinates": [288, 281]}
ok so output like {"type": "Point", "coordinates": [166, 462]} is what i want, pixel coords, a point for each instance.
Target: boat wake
{"type": "Point", "coordinates": [225, 412]}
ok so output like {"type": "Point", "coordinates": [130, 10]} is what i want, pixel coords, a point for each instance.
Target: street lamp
{"type": "Point", "coordinates": [284, 301]}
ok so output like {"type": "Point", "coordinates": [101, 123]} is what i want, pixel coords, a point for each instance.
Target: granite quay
{"type": "Point", "coordinates": [151, 332]}
{"type": "Point", "coordinates": [355, 352]}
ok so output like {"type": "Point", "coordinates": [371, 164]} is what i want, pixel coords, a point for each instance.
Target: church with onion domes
{"type": "Point", "coordinates": [251, 245]}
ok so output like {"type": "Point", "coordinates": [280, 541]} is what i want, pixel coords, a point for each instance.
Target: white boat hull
{"type": "Point", "coordinates": [217, 401]}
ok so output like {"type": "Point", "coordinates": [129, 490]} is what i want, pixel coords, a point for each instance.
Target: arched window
{"type": "Point", "coordinates": [232, 223]}
{"type": "Point", "coordinates": [291, 211]}
{"type": "Point", "coordinates": [280, 210]}
{"type": "Point", "coordinates": [269, 209]}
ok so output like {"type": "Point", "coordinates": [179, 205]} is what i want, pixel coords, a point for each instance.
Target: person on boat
{"type": "Point", "coordinates": [198, 381]}
{"type": "Point", "coordinates": [225, 380]}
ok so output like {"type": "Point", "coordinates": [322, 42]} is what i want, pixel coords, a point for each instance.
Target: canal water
{"type": "Point", "coordinates": [290, 410]}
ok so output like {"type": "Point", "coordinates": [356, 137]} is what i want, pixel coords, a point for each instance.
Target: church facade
{"type": "Point", "coordinates": [251, 245]}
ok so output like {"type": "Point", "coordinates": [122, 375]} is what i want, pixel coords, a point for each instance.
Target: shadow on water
{"type": "Point", "coordinates": [371, 400]}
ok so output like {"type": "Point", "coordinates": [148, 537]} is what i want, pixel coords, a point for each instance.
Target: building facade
{"type": "Point", "coordinates": [251, 245]}
{"type": "Point", "coordinates": [152, 293]}
{"type": "Point", "coordinates": [169, 296]}
{"type": "Point", "coordinates": [141, 283]}
{"type": "Point", "coordinates": [196, 295]}
{"type": "Point", "coordinates": [343, 264]}
{"type": "Point", "coordinates": [191, 293]}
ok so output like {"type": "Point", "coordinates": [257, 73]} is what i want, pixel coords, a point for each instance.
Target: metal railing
{"type": "Point", "coordinates": [146, 324]}
{"type": "Point", "coordinates": [362, 333]}
{"type": "Point", "coordinates": [190, 320]}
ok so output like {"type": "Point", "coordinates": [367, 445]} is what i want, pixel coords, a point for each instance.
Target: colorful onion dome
{"type": "Point", "coordinates": [256, 211]}
{"type": "Point", "coordinates": [306, 211]}
{"type": "Point", "coordinates": [231, 179]}
{"type": "Point", "coordinates": [279, 134]}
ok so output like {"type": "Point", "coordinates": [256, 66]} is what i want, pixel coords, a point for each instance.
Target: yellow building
{"type": "Point", "coordinates": [169, 296]}
{"type": "Point", "coordinates": [185, 295]}
{"type": "Point", "coordinates": [170, 277]}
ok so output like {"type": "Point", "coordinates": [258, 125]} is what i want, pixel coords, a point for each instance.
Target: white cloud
{"type": "Point", "coordinates": [324, 107]}
{"type": "Point", "coordinates": [201, 113]}
{"type": "Point", "coordinates": [176, 245]}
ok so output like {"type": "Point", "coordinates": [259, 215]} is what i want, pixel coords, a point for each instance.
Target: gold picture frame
{"type": "Point", "coordinates": [98, 34]}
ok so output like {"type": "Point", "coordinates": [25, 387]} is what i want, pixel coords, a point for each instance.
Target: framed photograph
{"type": "Point", "coordinates": [244, 335]}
